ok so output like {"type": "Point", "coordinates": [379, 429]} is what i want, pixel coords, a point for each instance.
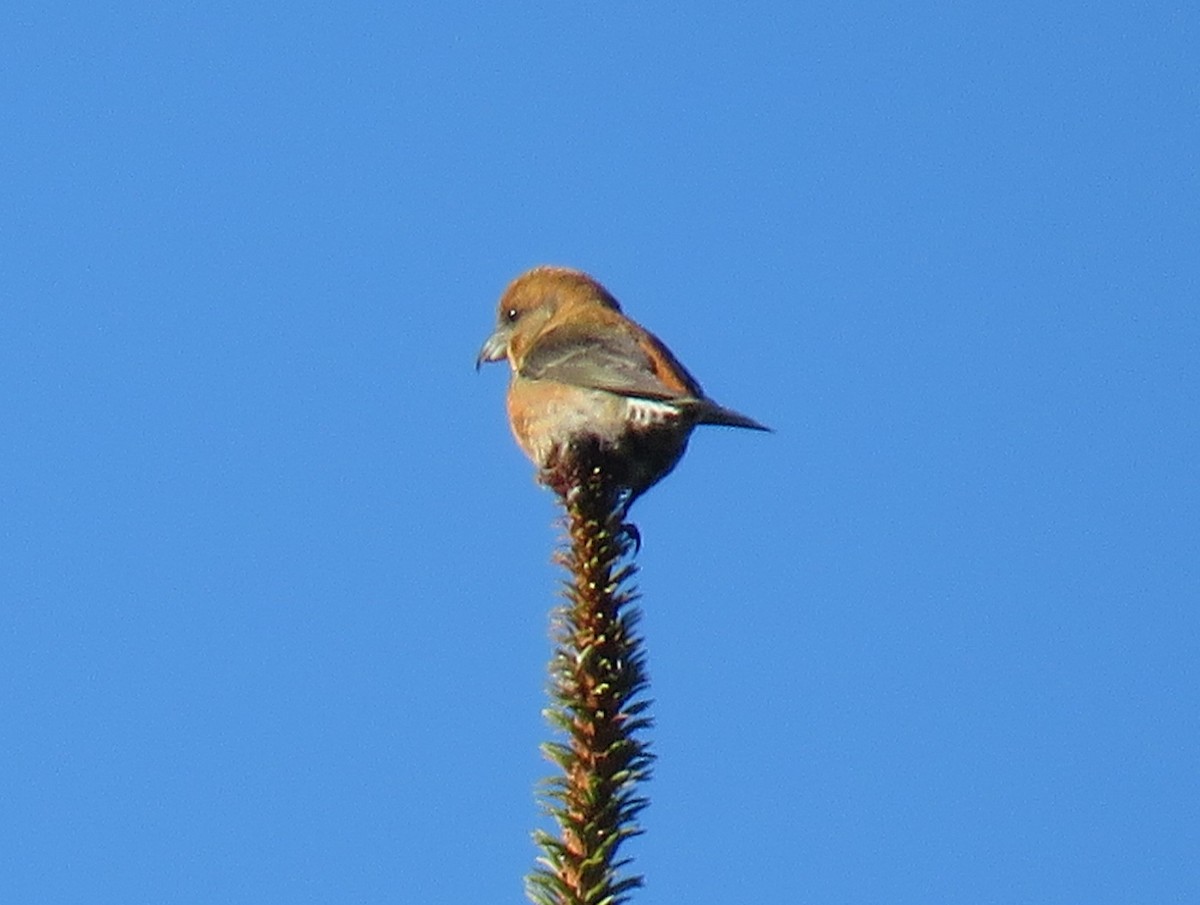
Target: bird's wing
{"type": "Point", "coordinates": [615, 360]}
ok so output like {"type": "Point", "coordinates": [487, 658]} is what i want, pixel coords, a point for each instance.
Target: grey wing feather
{"type": "Point", "coordinates": [613, 362]}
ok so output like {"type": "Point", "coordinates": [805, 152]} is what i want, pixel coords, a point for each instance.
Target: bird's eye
{"type": "Point", "coordinates": [511, 315]}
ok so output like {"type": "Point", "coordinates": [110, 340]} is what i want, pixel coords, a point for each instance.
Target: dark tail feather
{"type": "Point", "coordinates": [711, 413]}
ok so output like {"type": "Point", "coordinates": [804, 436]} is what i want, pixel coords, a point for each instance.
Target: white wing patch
{"type": "Point", "coordinates": [649, 412]}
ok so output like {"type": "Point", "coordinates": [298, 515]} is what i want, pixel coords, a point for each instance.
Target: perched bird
{"type": "Point", "coordinates": [583, 372]}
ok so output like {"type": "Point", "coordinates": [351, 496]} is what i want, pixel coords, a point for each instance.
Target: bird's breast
{"type": "Point", "coordinates": [546, 414]}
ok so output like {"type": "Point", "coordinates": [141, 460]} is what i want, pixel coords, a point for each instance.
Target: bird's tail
{"type": "Point", "coordinates": [711, 413]}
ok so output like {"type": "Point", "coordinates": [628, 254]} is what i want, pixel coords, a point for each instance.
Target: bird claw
{"type": "Point", "coordinates": [630, 535]}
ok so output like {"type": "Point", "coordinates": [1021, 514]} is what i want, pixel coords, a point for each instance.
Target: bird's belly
{"type": "Point", "coordinates": [546, 416]}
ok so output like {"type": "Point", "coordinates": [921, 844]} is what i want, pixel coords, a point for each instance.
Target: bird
{"type": "Point", "coordinates": [584, 375]}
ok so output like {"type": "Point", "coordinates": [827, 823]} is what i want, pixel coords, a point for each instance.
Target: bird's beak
{"type": "Point", "coordinates": [494, 349]}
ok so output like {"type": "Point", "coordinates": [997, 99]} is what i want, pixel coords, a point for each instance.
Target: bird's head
{"type": "Point", "coordinates": [529, 303]}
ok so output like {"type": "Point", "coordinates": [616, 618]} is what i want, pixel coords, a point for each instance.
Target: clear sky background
{"type": "Point", "coordinates": [274, 578]}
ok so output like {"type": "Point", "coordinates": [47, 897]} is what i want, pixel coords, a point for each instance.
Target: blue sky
{"type": "Point", "coordinates": [274, 578]}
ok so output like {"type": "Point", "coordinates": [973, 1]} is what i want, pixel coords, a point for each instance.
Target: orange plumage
{"type": "Point", "coordinates": [583, 371]}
